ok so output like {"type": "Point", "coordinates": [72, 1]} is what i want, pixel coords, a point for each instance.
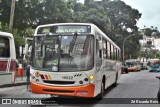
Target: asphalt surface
{"type": "Point", "coordinates": [139, 86]}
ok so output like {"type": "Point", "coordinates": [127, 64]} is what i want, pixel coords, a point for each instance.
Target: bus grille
{"type": "Point", "coordinates": [59, 82]}
{"type": "Point", "coordinates": [59, 91]}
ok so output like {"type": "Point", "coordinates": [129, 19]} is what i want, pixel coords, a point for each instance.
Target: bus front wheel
{"type": "Point", "coordinates": [158, 95]}
{"type": "Point", "coordinates": [115, 83]}
{"type": "Point", "coordinates": [100, 96]}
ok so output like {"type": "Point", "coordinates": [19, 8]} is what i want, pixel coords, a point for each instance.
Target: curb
{"type": "Point", "coordinates": [14, 84]}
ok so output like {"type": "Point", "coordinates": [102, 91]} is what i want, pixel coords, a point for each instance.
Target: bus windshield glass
{"type": "Point", "coordinates": [63, 52]}
{"type": "Point", "coordinates": [154, 64]}
{"type": "Point", "coordinates": [130, 64]}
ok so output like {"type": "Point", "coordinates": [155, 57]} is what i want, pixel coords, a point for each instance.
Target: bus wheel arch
{"type": "Point", "coordinates": [115, 83]}
{"type": "Point", "coordinates": [100, 96]}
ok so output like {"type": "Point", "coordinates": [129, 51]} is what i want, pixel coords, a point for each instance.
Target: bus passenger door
{"type": "Point", "coordinates": [99, 70]}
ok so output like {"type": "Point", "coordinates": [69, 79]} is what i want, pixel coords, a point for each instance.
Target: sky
{"type": "Point", "coordinates": [150, 10]}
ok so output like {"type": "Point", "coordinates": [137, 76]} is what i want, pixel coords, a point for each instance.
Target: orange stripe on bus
{"type": "Point", "coordinates": [40, 89]}
{"type": "Point", "coordinates": [49, 77]}
{"type": "Point", "coordinates": [46, 77]}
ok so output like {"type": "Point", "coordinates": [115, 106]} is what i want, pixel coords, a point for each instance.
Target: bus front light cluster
{"type": "Point", "coordinates": [35, 77]}
{"type": "Point", "coordinates": [84, 81]}
{"type": "Point", "coordinates": [37, 74]}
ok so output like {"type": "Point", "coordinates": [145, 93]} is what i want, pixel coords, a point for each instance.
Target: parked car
{"type": "Point", "coordinates": [124, 68]}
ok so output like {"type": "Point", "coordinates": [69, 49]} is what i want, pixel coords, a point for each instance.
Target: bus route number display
{"type": "Point", "coordinates": [73, 28]}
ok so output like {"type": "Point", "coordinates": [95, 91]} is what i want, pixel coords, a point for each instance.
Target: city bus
{"type": "Point", "coordinates": [133, 64]}
{"type": "Point", "coordinates": [73, 59]}
{"type": "Point", "coordinates": [154, 65]}
{"type": "Point", "coordinates": [7, 58]}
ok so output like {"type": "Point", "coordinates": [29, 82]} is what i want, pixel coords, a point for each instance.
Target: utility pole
{"type": "Point", "coordinates": [123, 44]}
{"type": "Point", "coordinates": [12, 16]}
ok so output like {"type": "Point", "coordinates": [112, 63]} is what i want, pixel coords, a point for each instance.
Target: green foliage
{"type": "Point", "coordinates": [18, 41]}
{"type": "Point", "coordinates": [31, 13]}
{"type": "Point", "coordinates": [5, 12]}
{"type": "Point", "coordinates": [150, 54]}
{"type": "Point", "coordinates": [122, 16]}
{"type": "Point", "coordinates": [151, 32]}
{"type": "Point", "coordinates": [113, 17]}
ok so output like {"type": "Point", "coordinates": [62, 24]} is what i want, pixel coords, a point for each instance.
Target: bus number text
{"type": "Point", "coordinates": [67, 77]}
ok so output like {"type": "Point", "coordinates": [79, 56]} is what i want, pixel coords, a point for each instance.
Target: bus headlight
{"type": "Point", "coordinates": [91, 77]}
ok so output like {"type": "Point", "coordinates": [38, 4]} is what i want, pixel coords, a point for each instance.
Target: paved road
{"type": "Point", "coordinates": [141, 84]}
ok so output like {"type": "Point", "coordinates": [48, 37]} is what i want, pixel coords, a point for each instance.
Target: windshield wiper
{"type": "Point", "coordinates": [72, 43]}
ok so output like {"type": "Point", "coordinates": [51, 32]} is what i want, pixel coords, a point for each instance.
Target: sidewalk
{"type": "Point", "coordinates": [19, 81]}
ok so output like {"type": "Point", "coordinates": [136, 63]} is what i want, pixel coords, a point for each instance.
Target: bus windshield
{"type": "Point", "coordinates": [63, 52]}
{"type": "Point", "coordinates": [130, 64]}
{"type": "Point", "coordinates": [154, 64]}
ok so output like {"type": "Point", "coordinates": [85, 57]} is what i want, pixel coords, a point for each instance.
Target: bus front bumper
{"type": "Point", "coordinates": [132, 69]}
{"type": "Point", "coordinates": [79, 91]}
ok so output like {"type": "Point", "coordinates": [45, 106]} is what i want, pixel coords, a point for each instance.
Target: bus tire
{"type": "Point", "coordinates": [158, 95]}
{"type": "Point", "coordinates": [100, 96]}
{"type": "Point", "coordinates": [102, 91]}
{"type": "Point", "coordinates": [115, 83]}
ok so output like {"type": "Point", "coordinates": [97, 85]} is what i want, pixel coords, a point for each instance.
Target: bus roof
{"type": "Point", "coordinates": [90, 24]}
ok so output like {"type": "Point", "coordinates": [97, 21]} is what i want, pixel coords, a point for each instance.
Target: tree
{"type": "Point", "coordinates": [122, 16]}
{"type": "Point", "coordinates": [113, 17]}
{"type": "Point", "coordinates": [152, 32]}
{"type": "Point", "coordinates": [92, 12]}
{"type": "Point", "coordinates": [35, 12]}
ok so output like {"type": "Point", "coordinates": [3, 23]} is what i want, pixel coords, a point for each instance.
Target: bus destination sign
{"type": "Point", "coordinates": [65, 29]}
{"type": "Point", "coordinates": [72, 29]}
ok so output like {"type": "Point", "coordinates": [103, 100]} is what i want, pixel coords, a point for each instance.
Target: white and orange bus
{"type": "Point", "coordinates": [73, 59]}
{"type": "Point", "coordinates": [7, 58]}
